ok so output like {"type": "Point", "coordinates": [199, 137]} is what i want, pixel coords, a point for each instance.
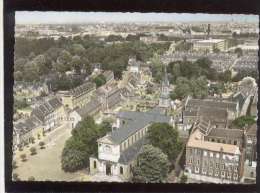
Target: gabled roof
{"type": "Point", "coordinates": [88, 108]}
{"type": "Point", "coordinates": [194, 103]}
{"type": "Point", "coordinates": [46, 108]}
{"type": "Point", "coordinates": [26, 125]}
{"type": "Point", "coordinates": [84, 88]}
{"type": "Point", "coordinates": [134, 122]}
{"type": "Point", "coordinates": [226, 133]}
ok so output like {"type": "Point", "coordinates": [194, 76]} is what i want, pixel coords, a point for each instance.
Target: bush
{"type": "Point", "coordinates": [41, 144]}
{"type": "Point", "coordinates": [23, 157]}
{"type": "Point", "coordinates": [31, 178]}
{"type": "Point", "coordinates": [14, 165]}
{"type": "Point", "coordinates": [33, 150]}
{"type": "Point", "coordinates": [16, 177]}
{"type": "Point", "coordinates": [183, 178]}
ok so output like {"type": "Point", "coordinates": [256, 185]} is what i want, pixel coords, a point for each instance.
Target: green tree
{"type": "Point", "coordinates": [152, 165]}
{"type": "Point", "coordinates": [16, 177]}
{"type": "Point", "coordinates": [244, 121]}
{"type": "Point", "coordinates": [182, 89]}
{"type": "Point", "coordinates": [199, 87]}
{"type": "Point", "coordinates": [82, 144]}
{"type": "Point", "coordinates": [165, 137]}
{"type": "Point", "coordinates": [100, 80]}
{"type": "Point", "coordinates": [23, 157]}
{"type": "Point", "coordinates": [14, 164]}
{"type": "Point", "coordinates": [31, 178]}
{"type": "Point", "coordinates": [183, 178]}
{"type": "Point", "coordinates": [33, 150]}
{"type": "Point", "coordinates": [239, 52]}
{"type": "Point", "coordinates": [42, 145]}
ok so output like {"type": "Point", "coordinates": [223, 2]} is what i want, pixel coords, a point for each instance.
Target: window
{"type": "Point", "coordinates": [198, 162]}
{"type": "Point", "coordinates": [197, 170]}
{"type": "Point", "coordinates": [217, 165]}
{"type": "Point", "coordinates": [121, 170]}
{"type": "Point", "coordinates": [235, 142]}
{"type": "Point", "coordinates": [204, 171]}
{"type": "Point", "coordinates": [205, 153]}
{"type": "Point", "coordinates": [222, 174]}
{"type": "Point", "coordinates": [218, 141]}
{"type": "Point", "coordinates": [235, 176]}
{"type": "Point", "coordinates": [213, 140]}
{"type": "Point", "coordinates": [211, 154]}
{"type": "Point", "coordinates": [95, 164]}
{"type": "Point", "coordinates": [210, 172]}
{"type": "Point", "coordinates": [222, 166]}
{"type": "Point", "coordinates": [216, 173]}
{"type": "Point", "coordinates": [217, 155]}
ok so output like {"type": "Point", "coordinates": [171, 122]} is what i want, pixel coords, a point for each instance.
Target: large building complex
{"type": "Point", "coordinates": [210, 45]}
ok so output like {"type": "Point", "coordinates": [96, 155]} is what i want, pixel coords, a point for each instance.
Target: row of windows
{"type": "Point", "coordinates": [131, 140]}
{"type": "Point", "coordinates": [235, 142]}
{"type": "Point", "coordinates": [211, 164]}
{"type": "Point", "coordinates": [216, 173]}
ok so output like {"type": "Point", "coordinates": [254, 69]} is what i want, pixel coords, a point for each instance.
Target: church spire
{"type": "Point", "coordinates": [165, 97]}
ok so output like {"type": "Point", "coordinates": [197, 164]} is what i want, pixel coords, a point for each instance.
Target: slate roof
{"type": "Point", "coordinates": [108, 74]}
{"type": "Point", "coordinates": [213, 114]}
{"type": "Point", "coordinates": [252, 130]}
{"type": "Point", "coordinates": [26, 125]}
{"type": "Point", "coordinates": [194, 103]}
{"type": "Point", "coordinates": [46, 108]}
{"type": "Point", "coordinates": [135, 121]}
{"type": "Point", "coordinates": [88, 108]}
{"type": "Point", "coordinates": [84, 88]}
{"type": "Point", "coordinates": [226, 133]}
{"type": "Point", "coordinates": [131, 153]}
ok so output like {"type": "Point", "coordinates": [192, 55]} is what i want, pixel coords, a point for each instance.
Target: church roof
{"type": "Point", "coordinates": [131, 153]}
{"type": "Point", "coordinates": [134, 122]}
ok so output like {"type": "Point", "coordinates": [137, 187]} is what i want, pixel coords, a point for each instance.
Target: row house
{"type": "Point", "coordinates": [26, 130]}
{"type": "Point", "coordinates": [51, 113]}
{"type": "Point", "coordinates": [78, 96]}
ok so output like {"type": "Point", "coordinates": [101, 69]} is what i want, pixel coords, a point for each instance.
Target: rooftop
{"type": "Point", "coordinates": [134, 122]}
{"type": "Point", "coordinates": [211, 41]}
{"type": "Point", "coordinates": [196, 141]}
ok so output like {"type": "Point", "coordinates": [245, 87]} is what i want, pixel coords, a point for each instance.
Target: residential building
{"type": "Point", "coordinates": [25, 130]}
{"type": "Point", "coordinates": [78, 96]}
{"type": "Point", "coordinates": [51, 113]}
{"type": "Point", "coordinates": [211, 161]}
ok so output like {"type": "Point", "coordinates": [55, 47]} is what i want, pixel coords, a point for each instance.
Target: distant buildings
{"type": "Point", "coordinates": [210, 45]}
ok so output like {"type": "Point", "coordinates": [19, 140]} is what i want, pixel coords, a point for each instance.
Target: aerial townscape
{"type": "Point", "coordinates": [168, 102]}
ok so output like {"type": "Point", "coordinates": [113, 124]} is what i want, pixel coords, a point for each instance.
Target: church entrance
{"type": "Point", "coordinates": [108, 169]}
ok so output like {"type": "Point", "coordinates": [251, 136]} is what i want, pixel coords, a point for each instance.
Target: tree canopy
{"type": "Point", "coordinates": [244, 121]}
{"type": "Point", "coordinates": [82, 144]}
{"type": "Point", "coordinates": [152, 165]}
{"type": "Point", "coordinates": [165, 137]}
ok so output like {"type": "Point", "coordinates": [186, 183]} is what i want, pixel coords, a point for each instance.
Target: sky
{"type": "Point", "coordinates": [36, 17]}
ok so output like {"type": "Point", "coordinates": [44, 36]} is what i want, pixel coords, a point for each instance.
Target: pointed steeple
{"type": "Point", "coordinates": [165, 97]}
